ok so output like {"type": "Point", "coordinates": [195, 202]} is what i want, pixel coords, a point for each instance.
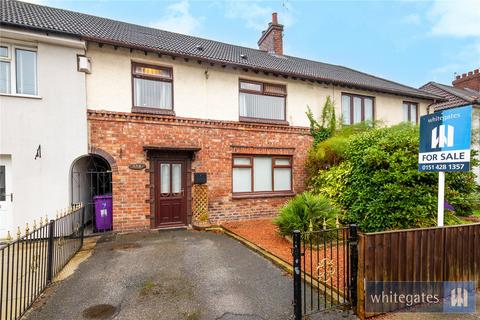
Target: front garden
{"type": "Point", "coordinates": [365, 174]}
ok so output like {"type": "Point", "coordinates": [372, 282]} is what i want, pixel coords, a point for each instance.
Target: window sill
{"type": "Point", "coordinates": [263, 195]}
{"type": "Point", "coordinates": [15, 95]}
{"type": "Point", "coordinates": [156, 111]}
{"type": "Point", "coordinates": [264, 121]}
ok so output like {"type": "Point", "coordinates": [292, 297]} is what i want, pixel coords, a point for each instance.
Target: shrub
{"type": "Point", "coordinates": [306, 212]}
{"type": "Point", "coordinates": [379, 187]}
{"type": "Point", "coordinates": [330, 152]}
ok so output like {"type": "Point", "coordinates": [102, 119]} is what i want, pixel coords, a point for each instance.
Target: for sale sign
{"type": "Point", "coordinates": [445, 140]}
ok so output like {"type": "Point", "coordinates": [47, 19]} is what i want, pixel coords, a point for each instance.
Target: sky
{"type": "Point", "coordinates": [411, 42]}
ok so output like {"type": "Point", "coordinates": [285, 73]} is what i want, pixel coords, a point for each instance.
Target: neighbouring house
{"type": "Point", "coordinates": [43, 123]}
{"type": "Point", "coordinates": [465, 90]}
{"type": "Point", "coordinates": [188, 127]}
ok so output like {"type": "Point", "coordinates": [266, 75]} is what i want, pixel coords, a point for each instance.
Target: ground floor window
{"type": "Point", "coordinates": [256, 174]}
{"type": "Point", "coordinates": [410, 112]}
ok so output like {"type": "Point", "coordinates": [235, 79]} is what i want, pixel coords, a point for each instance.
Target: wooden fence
{"type": "Point", "coordinates": [430, 254]}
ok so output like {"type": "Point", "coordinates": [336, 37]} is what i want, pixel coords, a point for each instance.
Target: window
{"type": "Point", "coordinates": [18, 70]}
{"type": "Point", "coordinates": [261, 174]}
{"type": "Point", "coordinates": [356, 109]}
{"type": "Point", "coordinates": [410, 112]}
{"type": "Point", "coordinates": [262, 101]}
{"type": "Point", "coordinates": [152, 87]}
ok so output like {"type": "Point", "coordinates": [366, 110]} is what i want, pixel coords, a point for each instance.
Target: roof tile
{"type": "Point", "coordinates": [28, 15]}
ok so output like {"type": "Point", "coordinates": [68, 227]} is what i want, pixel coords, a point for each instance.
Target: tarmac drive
{"type": "Point", "coordinates": [171, 275]}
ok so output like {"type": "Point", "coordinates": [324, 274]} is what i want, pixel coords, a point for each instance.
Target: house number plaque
{"type": "Point", "coordinates": [137, 166]}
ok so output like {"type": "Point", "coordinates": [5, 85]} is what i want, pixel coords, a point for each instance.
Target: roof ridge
{"type": "Point", "coordinates": [457, 92]}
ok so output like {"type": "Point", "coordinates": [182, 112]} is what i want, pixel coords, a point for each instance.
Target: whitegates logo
{"type": "Point", "coordinates": [459, 297]}
{"type": "Point", "coordinates": [440, 138]}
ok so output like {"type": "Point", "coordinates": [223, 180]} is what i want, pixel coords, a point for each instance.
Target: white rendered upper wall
{"type": "Point", "coordinates": [206, 92]}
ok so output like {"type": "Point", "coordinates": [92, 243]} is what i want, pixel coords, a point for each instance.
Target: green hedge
{"type": "Point", "coordinates": [378, 186]}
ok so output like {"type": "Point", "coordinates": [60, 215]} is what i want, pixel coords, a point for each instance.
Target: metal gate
{"type": "Point", "coordinates": [93, 179]}
{"type": "Point", "coordinates": [325, 270]}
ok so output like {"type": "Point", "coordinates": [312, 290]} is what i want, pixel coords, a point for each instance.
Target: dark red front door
{"type": "Point", "coordinates": [170, 193]}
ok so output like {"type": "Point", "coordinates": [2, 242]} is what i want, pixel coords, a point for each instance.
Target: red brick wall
{"type": "Point", "coordinates": [272, 41]}
{"type": "Point", "coordinates": [124, 135]}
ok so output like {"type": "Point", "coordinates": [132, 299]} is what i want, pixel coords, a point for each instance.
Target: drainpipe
{"type": "Point", "coordinates": [429, 106]}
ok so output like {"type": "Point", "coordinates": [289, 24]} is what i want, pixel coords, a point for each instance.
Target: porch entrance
{"type": "Point", "coordinates": [91, 176]}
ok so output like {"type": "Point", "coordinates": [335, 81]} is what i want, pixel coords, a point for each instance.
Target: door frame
{"type": "Point", "coordinates": [6, 160]}
{"type": "Point", "coordinates": [155, 156]}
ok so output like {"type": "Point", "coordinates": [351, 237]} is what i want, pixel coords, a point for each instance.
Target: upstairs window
{"type": "Point", "coordinates": [18, 70]}
{"type": "Point", "coordinates": [356, 109]}
{"type": "Point", "coordinates": [152, 87]}
{"type": "Point", "coordinates": [261, 174]}
{"type": "Point", "coordinates": [262, 101]}
{"type": "Point", "coordinates": [410, 112]}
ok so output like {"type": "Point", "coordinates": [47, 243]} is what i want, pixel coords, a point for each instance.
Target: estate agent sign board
{"type": "Point", "coordinates": [445, 147]}
{"type": "Point", "coordinates": [445, 140]}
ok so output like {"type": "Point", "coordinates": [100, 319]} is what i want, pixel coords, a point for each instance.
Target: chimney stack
{"type": "Point", "coordinates": [470, 80]}
{"type": "Point", "coordinates": [272, 38]}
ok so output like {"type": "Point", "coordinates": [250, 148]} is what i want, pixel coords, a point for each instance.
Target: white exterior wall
{"type": "Point", "coordinates": [109, 87]}
{"type": "Point", "coordinates": [56, 120]}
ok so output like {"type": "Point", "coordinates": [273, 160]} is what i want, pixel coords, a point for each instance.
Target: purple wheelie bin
{"type": "Point", "coordinates": [103, 212]}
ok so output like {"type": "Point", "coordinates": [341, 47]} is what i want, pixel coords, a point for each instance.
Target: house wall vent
{"type": "Point", "coordinates": [84, 64]}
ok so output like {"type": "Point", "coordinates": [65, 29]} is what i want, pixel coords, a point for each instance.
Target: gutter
{"type": "Point", "coordinates": [28, 36]}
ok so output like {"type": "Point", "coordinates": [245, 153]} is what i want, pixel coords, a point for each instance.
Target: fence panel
{"type": "Point", "coordinates": [30, 262]}
{"type": "Point", "coordinates": [429, 254]}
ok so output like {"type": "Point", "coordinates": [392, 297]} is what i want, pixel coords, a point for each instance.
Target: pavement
{"type": "Point", "coordinates": [172, 275]}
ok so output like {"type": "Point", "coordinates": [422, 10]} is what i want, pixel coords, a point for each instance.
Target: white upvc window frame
{"type": "Point", "coordinates": [12, 59]}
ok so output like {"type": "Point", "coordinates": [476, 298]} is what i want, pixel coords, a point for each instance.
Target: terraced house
{"type": "Point", "coordinates": [174, 120]}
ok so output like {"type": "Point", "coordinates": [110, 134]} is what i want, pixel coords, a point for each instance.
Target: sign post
{"type": "Point", "coordinates": [445, 147]}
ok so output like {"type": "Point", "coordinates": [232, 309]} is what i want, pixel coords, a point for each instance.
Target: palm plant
{"type": "Point", "coordinates": [306, 212]}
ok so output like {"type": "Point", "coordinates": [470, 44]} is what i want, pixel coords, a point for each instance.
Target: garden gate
{"type": "Point", "coordinates": [324, 270]}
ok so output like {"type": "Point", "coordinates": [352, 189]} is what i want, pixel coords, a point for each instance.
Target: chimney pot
{"type": "Point", "coordinates": [274, 18]}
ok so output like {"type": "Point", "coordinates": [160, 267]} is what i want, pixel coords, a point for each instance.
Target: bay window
{"type": "Point", "coordinates": [356, 109]}
{"type": "Point", "coordinates": [260, 100]}
{"type": "Point", "coordinates": [261, 174]}
{"type": "Point", "coordinates": [18, 70]}
{"type": "Point", "coordinates": [410, 112]}
{"type": "Point", "coordinates": [152, 88]}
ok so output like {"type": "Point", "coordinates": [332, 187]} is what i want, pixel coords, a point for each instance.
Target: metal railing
{"type": "Point", "coordinates": [29, 263]}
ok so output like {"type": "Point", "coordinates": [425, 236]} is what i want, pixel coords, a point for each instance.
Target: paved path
{"type": "Point", "coordinates": [171, 275]}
